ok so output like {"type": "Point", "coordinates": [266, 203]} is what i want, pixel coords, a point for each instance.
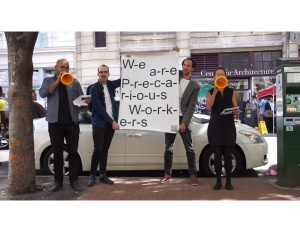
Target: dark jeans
{"type": "Point", "coordinates": [102, 139]}
{"type": "Point", "coordinates": [57, 133]}
{"type": "Point", "coordinates": [226, 152]}
{"type": "Point", "coordinates": [189, 148]}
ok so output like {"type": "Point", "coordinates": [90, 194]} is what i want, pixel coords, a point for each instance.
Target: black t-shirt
{"type": "Point", "coordinates": [64, 114]}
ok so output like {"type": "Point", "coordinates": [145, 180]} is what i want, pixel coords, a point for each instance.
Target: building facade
{"type": "Point", "coordinates": [248, 57]}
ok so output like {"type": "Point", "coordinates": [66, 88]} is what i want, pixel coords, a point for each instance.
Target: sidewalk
{"type": "Point", "coordinates": [261, 188]}
{"type": "Point", "coordinates": [143, 188]}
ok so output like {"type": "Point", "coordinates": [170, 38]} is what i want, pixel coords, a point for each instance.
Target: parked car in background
{"type": "Point", "coordinates": [143, 150]}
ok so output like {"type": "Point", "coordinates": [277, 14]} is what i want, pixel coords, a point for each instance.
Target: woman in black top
{"type": "Point", "coordinates": [221, 131]}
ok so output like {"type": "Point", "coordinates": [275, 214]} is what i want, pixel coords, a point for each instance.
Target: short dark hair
{"type": "Point", "coordinates": [219, 69]}
{"type": "Point", "coordinates": [193, 62]}
{"type": "Point", "coordinates": [103, 65]}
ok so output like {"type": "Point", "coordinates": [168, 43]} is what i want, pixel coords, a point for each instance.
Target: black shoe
{"type": "Point", "coordinates": [75, 185]}
{"type": "Point", "coordinates": [57, 185]}
{"type": "Point", "coordinates": [229, 186]}
{"type": "Point", "coordinates": [218, 186]}
{"type": "Point", "coordinates": [91, 181]}
{"type": "Point", "coordinates": [104, 179]}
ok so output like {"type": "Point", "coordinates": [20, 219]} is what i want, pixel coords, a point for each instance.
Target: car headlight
{"type": "Point", "coordinates": [255, 138]}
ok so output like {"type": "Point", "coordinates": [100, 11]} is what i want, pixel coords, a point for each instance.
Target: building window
{"type": "Point", "coordinates": [266, 60]}
{"type": "Point", "coordinates": [205, 63]}
{"type": "Point", "coordinates": [232, 61]}
{"type": "Point", "coordinates": [100, 39]}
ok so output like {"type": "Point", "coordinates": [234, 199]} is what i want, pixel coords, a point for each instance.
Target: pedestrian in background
{"type": "Point", "coordinates": [38, 111]}
{"type": "Point", "coordinates": [248, 104]}
{"type": "Point", "coordinates": [262, 109]}
{"type": "Point", "coordinates": [254, 106]}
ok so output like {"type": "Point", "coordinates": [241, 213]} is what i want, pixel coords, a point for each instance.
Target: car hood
{"type": "Point", "coordinates": [202, 118]}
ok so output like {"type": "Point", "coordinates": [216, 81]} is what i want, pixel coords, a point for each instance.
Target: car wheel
{"type": "Point", "coordinates": [48, 162]}
{"type": "Point", "coordinates": [4, 140]}
{"type": "Point", "coordinates": [208, 167]}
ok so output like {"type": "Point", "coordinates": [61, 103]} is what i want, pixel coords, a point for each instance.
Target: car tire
{"type": "Point", "coordinates": [4, 141]}
{"type": "Point", "coordinates": [207, 163]}
{"type": "Point", "coordinates": [48, 162]}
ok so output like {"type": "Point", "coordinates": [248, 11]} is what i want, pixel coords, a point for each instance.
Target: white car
{"type": "Point", "coordinates": [144, 150]}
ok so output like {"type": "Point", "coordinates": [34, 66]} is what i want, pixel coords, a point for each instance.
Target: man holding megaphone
{"type": "Point", "coordinates": [63, 121]}
{"type": "Point", "coordinates": [221, 130]}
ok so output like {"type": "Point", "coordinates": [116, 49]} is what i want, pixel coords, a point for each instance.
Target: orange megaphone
{"type": "Point", "coordinates": [67, 78]}
{"type": "Point", "coordinates": [221, 82]}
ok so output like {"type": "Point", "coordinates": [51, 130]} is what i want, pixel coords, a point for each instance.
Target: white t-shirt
{"type": "Point", "coordinates": [107, 101]}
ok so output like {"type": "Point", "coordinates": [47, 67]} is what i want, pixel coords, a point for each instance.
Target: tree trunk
{"type": "Point", "coordinates": [21, 173]}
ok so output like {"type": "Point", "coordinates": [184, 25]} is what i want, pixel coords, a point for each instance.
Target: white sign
{"type": "Point", "coordinates": [293, 78]}
{"type": "Point", "coordinates": [291, 69]}
{"type": "Point", "coordinates": [150, 93]}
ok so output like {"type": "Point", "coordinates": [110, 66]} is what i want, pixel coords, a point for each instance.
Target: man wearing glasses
{"type": "Point", "coordinates": [104, 122]}
{"type": "Point", "coordinates": [63, 123]}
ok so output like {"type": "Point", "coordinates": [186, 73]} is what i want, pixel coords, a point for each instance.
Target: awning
{"type": "Point", "coordinates": [270, 91]}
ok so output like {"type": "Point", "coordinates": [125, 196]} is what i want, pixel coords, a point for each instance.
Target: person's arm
{"type": "Point", "coordinates": [54, 85]}
{"type": "Point", "coordinates": [210, 98]}
{"type": "Point", "coordinates": [48, 87]}
{"type": "Point", "coordinates": [176, 49]}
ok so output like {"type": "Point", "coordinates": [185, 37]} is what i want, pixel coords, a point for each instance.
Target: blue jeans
{"type": "Point", "coordinates": [102, 139]}
{"type": "Point", "coordinates": [189, 148]}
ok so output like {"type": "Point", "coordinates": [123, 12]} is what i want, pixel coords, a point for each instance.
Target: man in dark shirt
{"type": "Point", "coordinates": [63, 123]}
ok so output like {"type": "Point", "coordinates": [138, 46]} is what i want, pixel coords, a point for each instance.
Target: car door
{"type": "Point", "coordinates": [116, 151]}
{"type": "Point", "coordinates": [145, 150]}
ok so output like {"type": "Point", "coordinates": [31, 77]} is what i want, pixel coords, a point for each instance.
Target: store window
{"type": "Point", "coordinates": [100, 39]}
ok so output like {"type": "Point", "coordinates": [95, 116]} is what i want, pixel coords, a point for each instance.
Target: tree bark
{"type": "Point", "coordinates": [21, 173]}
